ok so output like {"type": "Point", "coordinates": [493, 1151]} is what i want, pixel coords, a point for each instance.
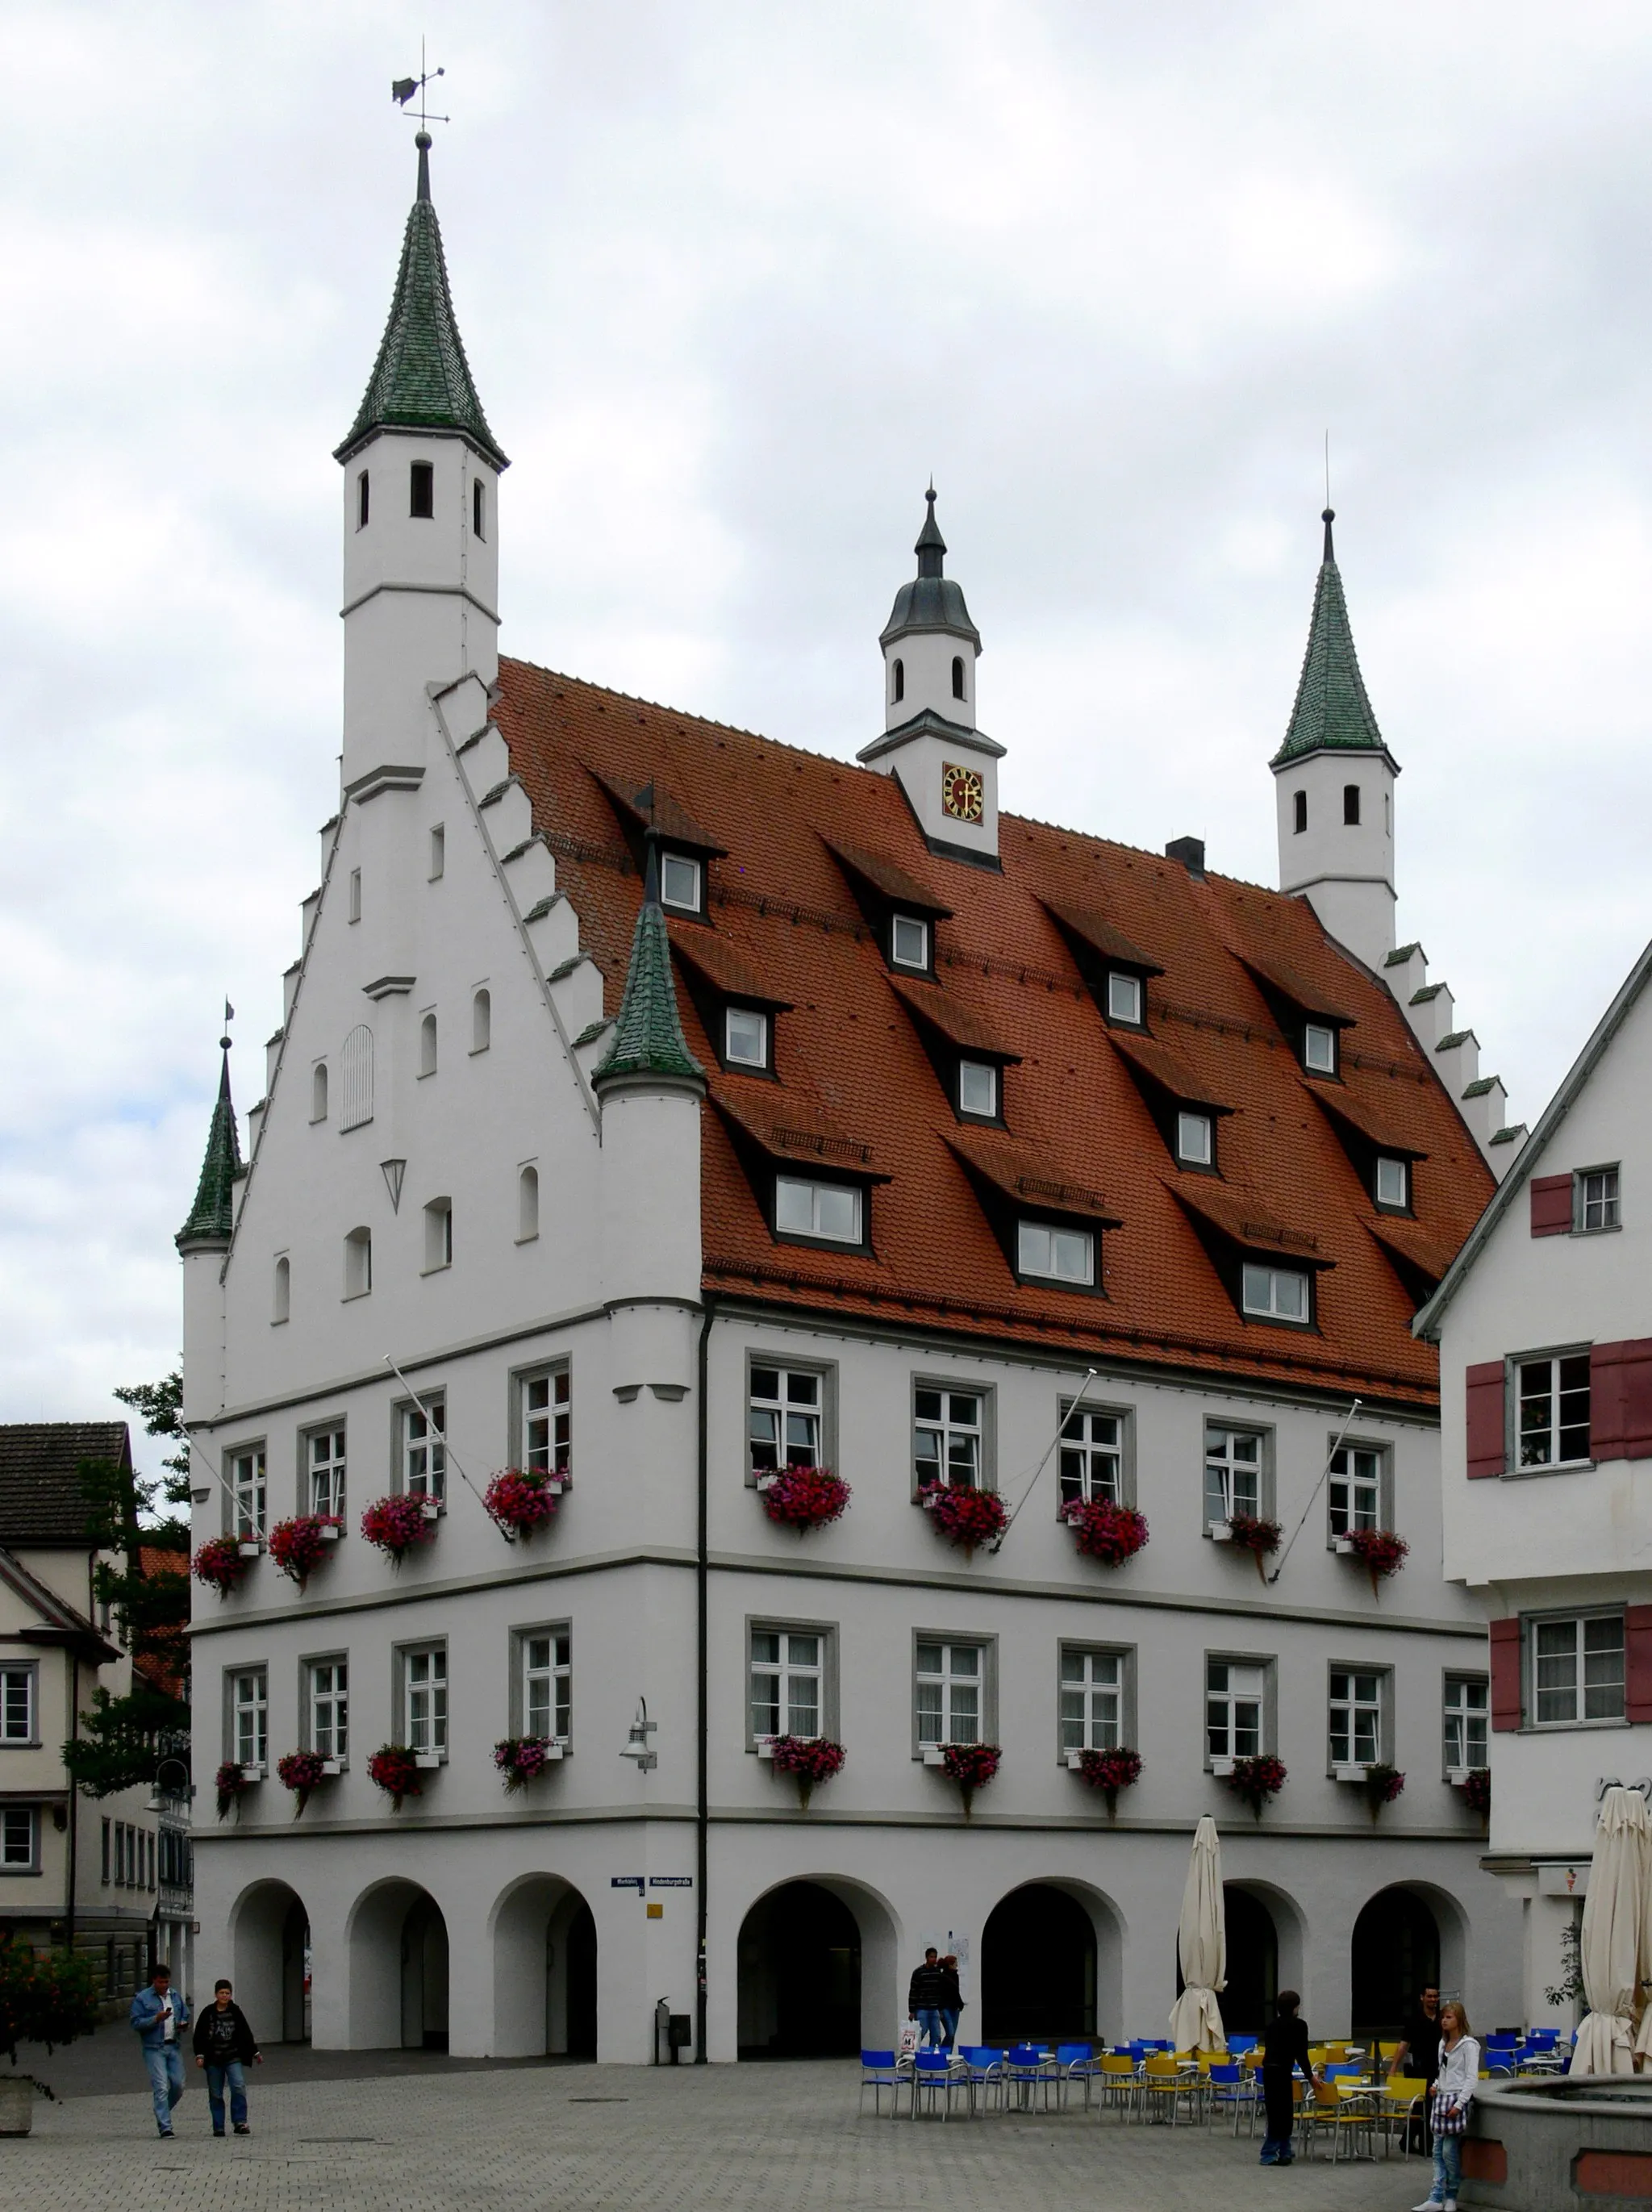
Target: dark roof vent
{"type": "Point", "coordinates": [1190, 851]}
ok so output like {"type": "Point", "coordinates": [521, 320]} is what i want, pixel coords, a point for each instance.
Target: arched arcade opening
{"type": "Point", "coordinates": [1038, 1968]}
{"type": "Point", "coordinates": [270, 1961]}
{"type": "Point", "coordinates": [1247, 2003]}
{"type": "Point", "coordinates": [544, 1971]}
{"type": "Point", "coordinates": [799, 1975]}
{"type": "Point", "coordinates": [1395, 1955]}
{"type": "Point", "coordinates": [398, 1950]}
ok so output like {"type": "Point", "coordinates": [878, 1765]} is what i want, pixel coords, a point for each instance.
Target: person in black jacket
{"type": "Point", "coordinates": [952, 2002]}
{"type": "Point", "coordinates": [926, 1998]}
{"type": "Point", "coordinates": [1284, 2048]}
{"type": "Point", "coordinates": [224, 2043]}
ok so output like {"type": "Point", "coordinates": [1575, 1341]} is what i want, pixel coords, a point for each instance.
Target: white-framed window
{"type": "Point", "coordinates": [527, 1204]}
{"type": "Point", "coordinates": [438, 852]}
{"type": "Point", "coordinates": [1577, 1669]}
{"type": "Point", "coordinates": [1059, 1255]}
{"type": "Point", "coordinates": [745, 1037]}
{"type": "Point", "coordinates": [19, 1680]}
{"type": "Point", "coordinates": [1235, 1692]}
{"type": "Point", "coordinates": [680, 879]}
{"type": "Point", "coordinates": [1393, 1184]}
{"type": "Point", "coordinates": [1195, 1139]}
{"type": "Point", "coordinates": [908, 941]}
{"type": "Point", "coordinates": [424, 1454]}
{"type": "Point", "coordinates": [788, 1671]}
{"type": "Point", "coordinates": [1552, 1409]}
{"type": "Point", "coordinates": [786, 1410]}
{"type": "Point", "coordinates": [1596, 1204]}
{"type": "Point", "coordinates": [547, 1662]}
{"type": "Point", "coordinates": [249, 1717]}
{"type": "Point", "coordinates": [1468, 1714]}
{"type": "Point", "coordinates": [248, 1489]}
{"type": "Point", "coordinates": [482, 1021]}
{"type": "Point", "coordinates": [978, 1088]}
{"type": "Point", "coordinates": [438, 1235]}
{"type": "Point", "coordinates": [329, 1702]}
{"type": "Point", "coordinates": [1124, 997]}
{"type": "Point", "coordinates": [427, 1044]}
{"type": "Point", "coordinates": [358, 1263]}
{"type": "Point", "coordinates": [424, 1697]}
{"type": "Point", "coordinates": [1091, 1457]}
{"type": "Point", "coordinates": [19, 1839]}
{"type": "Point", "coordinates": [1092, 1699]}
{"type": "Point", "coordinates": [1319, 1049]}
{"type": "Point", "coordinates": [547, 1414]}
{"type": "Point", "coordinates": [280, 1292]}
{"type": "Point", "coordinates": [948, 1436]}
{"type": "Point", "coordinates": [324, 1460]}
{"type": "Point", "coordinates": [949, 1683]}
{"type": "Point", "coordinates": [829, 1210]}
{"type": "Point", "coordinates": [1356, 1715]}
{"type": "Point", "coordinates": [1233, 1472]}
{"type": "Point", "coordinates": [1355, 1489]}
{"type": "Point", "coordinates": [1275, 1293]}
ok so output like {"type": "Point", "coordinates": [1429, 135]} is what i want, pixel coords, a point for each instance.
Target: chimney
{"type": "Point", "coordinates": [1190, 851]}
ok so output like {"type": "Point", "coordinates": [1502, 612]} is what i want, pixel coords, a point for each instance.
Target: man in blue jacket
{"type": "Point", "coordinates": [160, 2015]}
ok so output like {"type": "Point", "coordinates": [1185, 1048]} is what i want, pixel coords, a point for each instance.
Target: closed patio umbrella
{"type": "Point", "coordinates": [1610, 1946]}
{"type": "Point", "coordinates": [1202, 1948]}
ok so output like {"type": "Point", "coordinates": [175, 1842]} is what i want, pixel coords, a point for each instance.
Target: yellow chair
{"type": "Point", "coordinates": [1164, 2086]}
{"type": "Point", "coordinates": [1388, 2052]}
{"type": "Point", "coordinates": [1402, 2096]}
{"type": "Point", "coordinates": [1119, 2084]}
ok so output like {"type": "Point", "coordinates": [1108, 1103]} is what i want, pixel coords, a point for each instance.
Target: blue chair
{"type": "Point", "coordinates": [1027, 2072]}
{"type": "Point", "coordinates": [983, 2072]}
{"type": "Point", "coordinates": [1238, 2044]}
{"type": "Point", "coordinates": [879, 2070]}
{"type": "Point", "coordinates": [935, 2080]}
{"type": "Point", "coordinates": [1227, 2090]}
{"type": "Point", "coordinates": [1074, 2063]}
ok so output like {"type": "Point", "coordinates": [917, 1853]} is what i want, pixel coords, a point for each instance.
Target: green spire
{"type": "Point", "coordinates": [1331, 712]}
{"type": "Point", "coordinates": [421, 381]}
{"type": "Point", "coordinates": [648, 1039]}
{"type": "Point", "coordinates": [212, 1216]}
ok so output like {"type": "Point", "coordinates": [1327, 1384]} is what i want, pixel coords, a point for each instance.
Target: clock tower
{"type": "Point", "coordinates": [947, 767]}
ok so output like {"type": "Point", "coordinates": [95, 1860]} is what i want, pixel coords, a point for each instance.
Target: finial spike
{"type": "Point", "coordinates": [1327, 518]}
{"type": "Point", "coordinates": [651, 873]}
{"type": "Point", "coordinates": [423, 142]}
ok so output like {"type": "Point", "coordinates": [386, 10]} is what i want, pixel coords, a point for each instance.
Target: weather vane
{"type": "Point", "coordinates": [403, 89]}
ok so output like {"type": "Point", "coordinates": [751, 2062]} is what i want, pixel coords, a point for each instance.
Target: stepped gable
{"type": "Point", "coordinates": [849, 1058]}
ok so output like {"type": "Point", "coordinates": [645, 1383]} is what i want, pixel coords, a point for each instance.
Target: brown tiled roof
{"type": "Point", "coordinates": [1100, 935]}
{"type": "Point", "coordinates": [885, 875]}
{"type": "Point", "coordinates": [715, 959]}
{"type": "Point", "coordinates": [1167, 1069]}
{"type": "Point", "coordinates": [956, 1020]}
{"type": "Point", "coordinates": [853, 1069]}
{"type": "Point", "coordinates": [41, 1497]}
{"type": "Point", "coordinates": [1365, 1120]}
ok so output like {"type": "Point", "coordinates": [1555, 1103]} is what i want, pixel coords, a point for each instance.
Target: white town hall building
{"type": "Point", "coordinates": [676, 1109]}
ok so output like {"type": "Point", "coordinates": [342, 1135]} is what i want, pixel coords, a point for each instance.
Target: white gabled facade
{"type": "Point", "coordinates": [1545, 1329]}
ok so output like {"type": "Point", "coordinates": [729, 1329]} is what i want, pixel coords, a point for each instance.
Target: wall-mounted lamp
{"type": "Point", "coordinates": [637, 1744]}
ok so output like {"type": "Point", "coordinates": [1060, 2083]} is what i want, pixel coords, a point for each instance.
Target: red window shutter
{"type": "Point", "coordinates": [1637, 1663]}
{"type": "Point", "coordinates": [1505, 1674]}
{"type": "Point", "coordinates": [1484, 1394]}
{"type": "Point", "coordinates": [1620, 1399]}
{"type": "Point", "coordinates": [1551, 1205]}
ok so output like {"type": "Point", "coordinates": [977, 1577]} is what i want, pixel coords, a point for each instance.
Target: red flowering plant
{"type": "Point", "coordinates": [808, 1760]}
{"type": "Point", "coordinates": [230, 1783]}
{"type": "Point", "coordinates": [1256, 1780]}
{"type": "Point", "coordinates": [219, 1562]}
{"type": "Point", "coordinates": [396, 1524]}
{"type": "Point", "coordinates": [1250, 1532]}
{"type": "Point", "coordinates": [972, 1766]}
{"type": "Point", "coordinates": [302, 1771]}
{"type": "Point", "coordinates": [522, 1759]}
{"type": "Point", "coordinates": [966, 1517]}
{"type": "Point", "coordinates": [802, 1498]}
{"type": "Point", "coordinates": [1110, 1771]}
{"type": "Point", "coordinates": [518, 1501]}
{"type": "Point", "coordinates": [396, 1770]}
{"type": "Point", "coordinates": [1383, 1783]}
{"type": "Point", "coordinates": [298, 1546]}
{"type": "Point", "coordinates": [1476, 1786]}
{"type": "Point", "coordinates": [1381, 1550]}
{"type": "Point", "coordinates": [1104, 1531]}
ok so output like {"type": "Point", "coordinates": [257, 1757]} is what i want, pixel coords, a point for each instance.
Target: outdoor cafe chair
{"type": "Point", "coordinates": [1404, 2099]}
{"type": "Point", "coordinates": [1118, 2084]}
{"type": "Point", "coordinates": [936, 2080]}
{"type": "Point", "coordinates": [1165, 2088]}
{"type": "Point", "coordinates": [1029, 2071]}
{"type": "Point", "coordinates": [1347, 2114]}
{"type": "Point", "coordinates": [1228, 2091]}
{"type": "Point", "coordinates": [1075, 2062]}
{"type": "Point", "coordinates": [983, 2073]}
{"type": "Point", "coordinates": [879, 2070]}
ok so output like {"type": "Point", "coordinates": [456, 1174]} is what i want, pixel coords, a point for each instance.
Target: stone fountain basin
{"type": "Point", "coordinates": [1539, 2142]}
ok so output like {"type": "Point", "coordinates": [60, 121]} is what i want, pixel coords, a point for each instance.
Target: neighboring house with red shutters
{"type": "Point", "coordinates": [1544, 1323]}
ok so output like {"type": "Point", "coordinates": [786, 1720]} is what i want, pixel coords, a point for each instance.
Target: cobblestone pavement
{"type": "Point", "coordinates": [767, 2138]}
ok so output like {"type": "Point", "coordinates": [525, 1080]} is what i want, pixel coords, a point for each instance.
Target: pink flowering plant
{"type": "Point", "coordinates": [1383, 1783]}
{"type": "Point", "coordinates": [808, 1760]}
{"type": "Point", "coordinates": [396, 1524]}
{"type": "Point", "coordinates": [230, 1783]}
{"type": "Point", "coordinates": [298, 1546]}
{"type": "Point", "coordinates": [522, 1759]}
{"type": "Point", "coordinates": [302, 1772]}
{"type": "Point", "coordinates": [1476, 1786]}
{"type": "Point", "coordinates": [1382, 1551]}
{"type": "Point", "coordinates": [520, 1501]}
{"type": "Point", "coordinates": [965, 1517]}
{"type": "Point", "coordinates": [1248, 1532]}
{"type": "Point", "coordinates": [972, 1766]}
{"type": "Point", "coordinates": [802, 1498]}
{"type": "Point", "coordinates": [1256, 1780]}
{"type": "Point", "coordinates": [1110, 1771]}
{"type": "Point", "coordinates": [219, 1564]}
{"type": "Point", "coordinates": [1106, 1531]}
{"type": "Point", "coordinates": [396, 1771]}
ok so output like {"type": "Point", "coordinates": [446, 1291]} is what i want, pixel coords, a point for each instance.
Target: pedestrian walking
{"type": "Point", "coordinates": [1284, 2048]}
{"type": "Point", "coordinates": [224, 2043]}
{"type": "Point", "coordinates": [926, 1996]}
{"type": "Point", "coordinates": [952, 2002]}
{"type": "Point", "coordinates": [1419, 2057]}
{"type": "Point", "coordinates": [160, 2014]}
{"type": "Point", "coordinates": [1460, 2070]}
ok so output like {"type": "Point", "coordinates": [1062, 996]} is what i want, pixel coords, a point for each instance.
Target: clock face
{"type": "Point", "coordinates": [960, 792]}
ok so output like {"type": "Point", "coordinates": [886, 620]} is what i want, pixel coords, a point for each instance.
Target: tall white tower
{"type": "Point", "coordinates": [421, 520]}
{"type": "Point", "coordinates": [1334, 777]}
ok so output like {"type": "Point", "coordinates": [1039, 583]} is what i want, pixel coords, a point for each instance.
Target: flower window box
{"type": "Point", "coordinates": [1457, 1777]}
{"type": "Point", "coordinates": [765, 1746]}
{"type": "Point", "coordinates": [935, 1754]}
{"type": "Point", "coordinates": [332, 1766]}
{"type": "Point", "coordinates": [1355, 1773]}
{"type": "Point", "coordinates": [431, 1508]}
{"type": "Point", "coordinates": [809, 1760]}
{"type": "Point", "coordinates": [802, 1498]}
{"type": "Point", "coordinates": [1343, 1546]}
{"type": "Point", "coordinates": [1223, 1768]}
{"type": "Point", "coordinates": [330, 1531]}
{"type": "Point", "coordinates": [1221, 1532]}
{"type": "Point", "coordinates": [252, 1770]}
{"type": "Point", "coordinates": [1075, 1761]}
{"type": "Point", "coordinates": [249, 1546]}
{"type": "Point", "coordinates": [522, 1759]}
{"type": "Point", "coordinates": [426, 1759]}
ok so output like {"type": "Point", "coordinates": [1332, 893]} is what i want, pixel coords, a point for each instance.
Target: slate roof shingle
{"type": "Point", "coordinates": [41, 1497]}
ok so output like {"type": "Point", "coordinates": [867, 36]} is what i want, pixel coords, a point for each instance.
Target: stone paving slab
{"type": "Point", "coordinates": [775, 2138]}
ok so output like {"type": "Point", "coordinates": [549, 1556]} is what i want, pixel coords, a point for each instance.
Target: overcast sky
{"type": "Point", "coordinates": [733, 280]}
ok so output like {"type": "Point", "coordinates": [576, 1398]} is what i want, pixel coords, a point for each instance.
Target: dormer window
{"type": "Point", "coordinates": [1392, 1183]}
{"type": "Point", "coordinates": [1196, 1140]}
{"type": "Point", "coordinates": [1275, 1293]}
{"type": "Point", "coordinates": [1319, 1049]}
{"type": "Point", "coordinates": [1124, 998]}
{"type": "Point", "coordinates": [1058, 1255]}
{"type": "Point", "coordinates": [680, 883]}
{"type": "Point", "coordinates": [832, 1212]}
{"type": "Point", "coordinates": [745, 1037]}
{"type": "Point", "coordinates": [909, 946]}
{"type": "Point", "coordinates": [422, 491]}
{"type": "Point", "coordinates": [978, 1088]}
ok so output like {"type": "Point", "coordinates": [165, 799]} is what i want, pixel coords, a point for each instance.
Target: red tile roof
{"type": "Point", "coordinates": [856, 1088]}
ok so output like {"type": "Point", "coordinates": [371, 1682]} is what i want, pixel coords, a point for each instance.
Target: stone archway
{"type": "Point", "coordinates": [1394, 1954]}
{"type": "Point", "coordinates": [396, 1951]}
{"type": "Point", "coordinates": [269, 1960]}
{"type": "Point", "coordinates": [816, 1970]}
{"type": "Point", "coordinates": [1038, 1967]}
{"type": "Point", "coordinates": [1253, 1980]}
{"type": "Point", "coordinates": [544, 1938]}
